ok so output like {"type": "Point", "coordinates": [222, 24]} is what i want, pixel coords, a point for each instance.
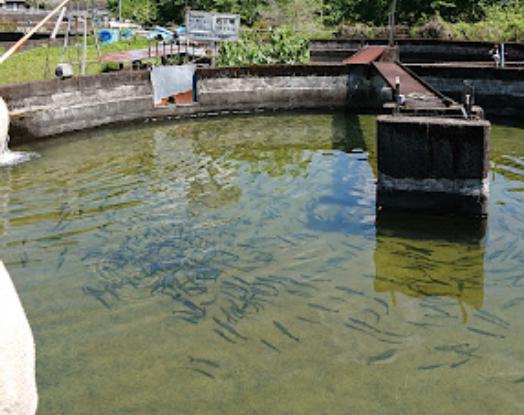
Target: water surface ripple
{"type": "Point", "coordinates": [237, 265]}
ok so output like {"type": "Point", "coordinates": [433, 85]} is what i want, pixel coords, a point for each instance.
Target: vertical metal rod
{"type": "Point", "coordinates": [66, 39]}
{"type": "Point", "coordinates": [77, 43]}
{"type": "Point", "coordinates": [84, 48]}
{"type": "Point", "coordinates": [46, 70]}
{"type": "Point", "coordinates": [95, 34]}
{"type": "Point", "coordinates": [397, 94]}
{"type": "Point", "coordinates": [58, 22]}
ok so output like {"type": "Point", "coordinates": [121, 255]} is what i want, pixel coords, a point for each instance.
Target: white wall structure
{"type": "Point", "coordinates": [18, 395]}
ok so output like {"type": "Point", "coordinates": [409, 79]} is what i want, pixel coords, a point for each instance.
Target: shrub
{"type": "Point", "coordinates": [433, 28]}
{"type": "Point", "coordinates": [282, 46]}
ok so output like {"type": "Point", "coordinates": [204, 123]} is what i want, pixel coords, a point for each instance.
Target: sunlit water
{"type": "Point", "coordinates": [234, 266]}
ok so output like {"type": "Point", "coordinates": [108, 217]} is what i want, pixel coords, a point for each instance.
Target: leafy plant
{"type": "Point", "coordinates": [282, 46]}
{"type": "Point", "coordinates": [501, 22]}
{"type": "Point", "coordinates": [141, 11]}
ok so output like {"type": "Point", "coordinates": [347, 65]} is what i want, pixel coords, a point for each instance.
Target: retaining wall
{"type": "Point", "coordinates": [46, 108]}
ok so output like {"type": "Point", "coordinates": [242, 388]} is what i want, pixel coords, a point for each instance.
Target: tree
{"type": "Point", "coordinates": [141, 11]}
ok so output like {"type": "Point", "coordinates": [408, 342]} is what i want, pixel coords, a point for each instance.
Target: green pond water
{"type": "Point", "coordinates": [236, 265]}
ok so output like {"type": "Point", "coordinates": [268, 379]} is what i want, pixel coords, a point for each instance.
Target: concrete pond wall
{"type": "Point", "coordinates": [499, 91]}
{"type": "Point", "coordinates": [433, 164]}
{"type": "Point", "coordinates": [414, 50]}
{"type": "Point", "coordinates": [46, 108]}
{"type": "Point", "coordinates": [275, 87]}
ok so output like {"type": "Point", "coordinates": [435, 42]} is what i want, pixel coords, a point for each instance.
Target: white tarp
{"type": "Point", "coordinates": [169, 81]}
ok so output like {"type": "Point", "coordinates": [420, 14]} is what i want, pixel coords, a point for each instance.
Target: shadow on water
{"type": "Point", "coordinates": [348, 135]}
{"type": "Point", "coordinates": [420, 256]}
{"type": "Point", "coordinates": [347, 205]}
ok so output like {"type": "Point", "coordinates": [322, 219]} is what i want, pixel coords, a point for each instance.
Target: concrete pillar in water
{"type": "Point", "coordinates": [17, 353]}
{"type": "Point", "coordinates": [432, 164]}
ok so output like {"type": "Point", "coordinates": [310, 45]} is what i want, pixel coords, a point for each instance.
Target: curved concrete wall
{"type": "Point", "coordinates": [18, 395]}
{"type": "Point", "coordinates": [46, 108]}
{"type": "Point", "coordinates": [274, 92]}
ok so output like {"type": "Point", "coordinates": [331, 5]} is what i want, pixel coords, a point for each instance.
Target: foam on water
{"type": "Point", "coordinates": [10, 158]}
{"type": "Point", "coordinates": [7, 157]}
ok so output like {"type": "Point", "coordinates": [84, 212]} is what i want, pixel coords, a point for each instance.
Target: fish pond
{"type": "Point", "coordinates": [237, 265]}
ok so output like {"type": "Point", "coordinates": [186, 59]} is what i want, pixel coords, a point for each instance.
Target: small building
{"type": "Point", "coordinates": [14, 5]}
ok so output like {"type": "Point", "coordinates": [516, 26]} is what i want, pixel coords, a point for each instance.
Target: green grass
{"type": "Point", "coordinates": [31, 65]}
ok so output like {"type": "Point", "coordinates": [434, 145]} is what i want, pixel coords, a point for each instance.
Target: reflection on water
{"type": "Point", "coordinates": [431, 257]}
{"type": "Point", "coordinates": [237, 265]}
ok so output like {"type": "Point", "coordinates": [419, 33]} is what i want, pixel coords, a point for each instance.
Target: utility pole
{"type": "Point", "coordinates": [120, 10]}
{"type": "Point", "coordinates": [392, 24]}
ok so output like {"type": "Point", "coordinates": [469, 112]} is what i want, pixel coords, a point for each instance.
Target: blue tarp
{"type": "Point", "coordinates": [108, 36]}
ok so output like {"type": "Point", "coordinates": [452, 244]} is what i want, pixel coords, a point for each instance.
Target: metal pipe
{"type": "Point", "coordinates": [66, 39]}
{"type": "Point", "coordinates": [84, 48]}
{"type": "Point", "coordinates": [20, 42]}
{"type": "Point", "coordinates": [58, 23]}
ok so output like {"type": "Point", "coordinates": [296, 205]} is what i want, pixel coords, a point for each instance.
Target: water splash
{"type": "Point", "coordinates": [4, 126]}
{"type": "Point", "coordinates": [8, 157]}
